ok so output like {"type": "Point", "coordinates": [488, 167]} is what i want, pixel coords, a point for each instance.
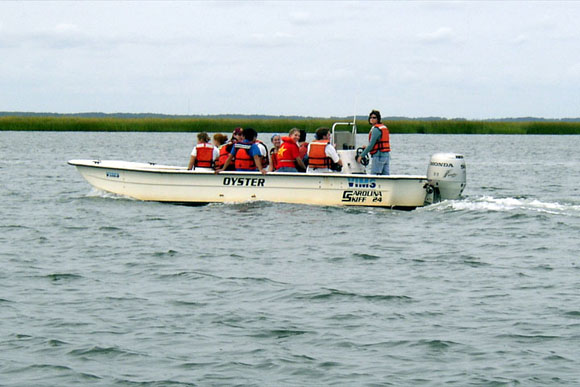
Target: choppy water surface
{"type": "Point", "coordinates": [101, 290]}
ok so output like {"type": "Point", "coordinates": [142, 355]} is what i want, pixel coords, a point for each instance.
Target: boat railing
{"type": "Point", "coordinates": [344, 139]}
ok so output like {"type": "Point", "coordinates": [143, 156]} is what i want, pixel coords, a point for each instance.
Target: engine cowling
{"type": "Point", "coordinates": [447, 176]}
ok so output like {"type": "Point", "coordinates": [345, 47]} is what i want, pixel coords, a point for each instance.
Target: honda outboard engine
{"type": "Point", "coordinates": [447, 176]}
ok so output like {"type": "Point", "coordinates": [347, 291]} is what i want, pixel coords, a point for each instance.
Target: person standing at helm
{"type": "Point", "coordinates": [322, 157]}
{"type": "Point", "coordinates": [289, 154]}
{"type": "Point", "coordinates": [204, 154]}
{"type": "Point", "coordinates": [379, 146]}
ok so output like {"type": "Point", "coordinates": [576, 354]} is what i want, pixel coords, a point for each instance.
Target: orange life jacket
{"type": "Point", "coordinates": [382, 144]}
{"type": "Point", "coordinates": [286, 151]}
{"type": "Point", "coordinates": [243, 158]}
{"type": "Point", "coordinates": [204, 158]}
{"type": "Point", "coordinates": [317, 157]}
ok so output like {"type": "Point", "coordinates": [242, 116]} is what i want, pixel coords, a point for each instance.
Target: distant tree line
{"type": "Point", "coordinates": [270, 117]}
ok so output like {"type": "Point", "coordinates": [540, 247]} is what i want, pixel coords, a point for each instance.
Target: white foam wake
{"type": "Point", "coordinates": [489, 203]}
{"type": "Point", "coordinates": [96, 193]}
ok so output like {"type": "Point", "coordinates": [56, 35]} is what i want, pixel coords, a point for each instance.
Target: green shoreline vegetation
{"type": "Point", "coordinates": [277, 125]}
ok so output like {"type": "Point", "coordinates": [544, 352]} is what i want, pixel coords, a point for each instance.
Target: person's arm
{"type": "Point", "coordinates": [298, 160]}
{"type": "Point", "coordinates": [191, 163]}
{"type": "Point", "coordinates": [375, 135]}
{"type": "Point", "coordinates": [300, 163]}
{"type": "Point", "coordinates": [271, 166]}
{"type": "Point", "coordinates": [258, 161]}
{"type": "Point", "coordinates": [215, 156]}
{"type": "Point", "coordinates": [333, 154]}
{"type": "Point", "coordinates": [256, 153]}
{"type": "Point", "coordinates": [192, 159]}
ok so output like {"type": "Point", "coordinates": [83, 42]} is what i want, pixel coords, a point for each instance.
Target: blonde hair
{"type": "Point", "coordinates": [293, 130]}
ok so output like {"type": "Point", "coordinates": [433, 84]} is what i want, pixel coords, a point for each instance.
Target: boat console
{"type": "Point", "coordinates": [344, 141]}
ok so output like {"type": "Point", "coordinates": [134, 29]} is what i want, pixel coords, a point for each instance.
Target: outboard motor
{"type": "Point", "coordinates": [446, 175]}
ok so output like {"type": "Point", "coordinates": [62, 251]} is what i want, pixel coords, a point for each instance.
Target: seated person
{"type": "Point", "coordinates": [246, 153]}
{"type": "Point", "coordinates": [225, 151]}
{"type": "Point", "coordinates": [276, 142]}
{"type": "Point", "coordinates": [289, 154]}
{"type": "Point", "coordinates": [303, 147]}
{"type": "Point", "coordinates": [204, 154]}
{"type": "Point", "coordinates": [220, 142]}
{"type": "Point", "coordinates": [322, 157]}
{"type": "Point", "coordinates": [263, 152]}
{"type": "Point", "coordinates": [236, 136]}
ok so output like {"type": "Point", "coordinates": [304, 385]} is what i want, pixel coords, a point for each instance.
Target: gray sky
{"type": "Point", "coordinates": [451, 59]}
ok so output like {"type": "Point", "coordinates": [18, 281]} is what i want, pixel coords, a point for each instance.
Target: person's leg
{"type": "Point", "coordinates": [386, 170]}
{"type": "Point", "coordinates": [378, 162]}
{"type": "Point", "coordinates": [286, 169]}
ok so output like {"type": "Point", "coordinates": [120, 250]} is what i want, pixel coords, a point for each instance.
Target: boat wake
{"type": "Point", "coordinates": [96, 193]}
{"type": "Point", "coordinates": [509, 204]}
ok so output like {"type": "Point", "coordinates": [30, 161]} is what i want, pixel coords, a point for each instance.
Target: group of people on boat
{"type": "Point", "coordinates": [244, 152]}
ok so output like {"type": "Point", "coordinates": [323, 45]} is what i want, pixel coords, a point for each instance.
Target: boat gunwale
{"type": "Point", "coordinates": [165, 169]}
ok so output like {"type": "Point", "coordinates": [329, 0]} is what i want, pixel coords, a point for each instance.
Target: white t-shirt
{"type": "Point", "coordinates": [262, 148]}
{"type": "Point", "coordinates": [215, 153]}
{"type": "Point", "coordinates": [330, 152]}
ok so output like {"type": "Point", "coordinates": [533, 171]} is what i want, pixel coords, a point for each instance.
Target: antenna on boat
{"type": "Point", "coordinates": [354, 113]}
{"type": "Point", "coordinates": [345, 140]}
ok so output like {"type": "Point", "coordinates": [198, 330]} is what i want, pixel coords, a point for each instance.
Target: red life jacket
{"type": "Point", "coordinates": [204, 158]}
{"type": "Point", "coordinates": [224, 154]}
{"type": "Point", "coordinates": [317, 157]}
{"type": "Point", "coordinates": [243, 158]}
{"type": "Point", "coordinates": [303, 149]}
{"type": "Point", "coordinates": [287, 150]}
{"type": "Point", "coordinates": [274, 156]}
{"type": "Point", "coordinates": [382, 144]}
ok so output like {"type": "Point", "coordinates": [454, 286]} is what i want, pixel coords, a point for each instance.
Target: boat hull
{"type": "Point", "coordinates": [160, 183]}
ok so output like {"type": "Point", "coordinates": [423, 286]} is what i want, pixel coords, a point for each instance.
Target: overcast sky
{"type": "Point", "coordinates": [334, 58]}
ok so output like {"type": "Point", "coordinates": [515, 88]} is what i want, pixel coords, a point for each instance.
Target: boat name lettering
{"type": "Point", "coordinates": [113, 174]}
{"type": "Point", "coordinates": [361, 182]}
{"type": "Point", "coordinates": [438, 164]}
{"type": "Point", "coordinates": [361, 196]}
{"type": "Point", "coordinates": [245, 181]}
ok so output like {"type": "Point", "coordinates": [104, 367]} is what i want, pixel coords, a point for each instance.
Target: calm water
{"type": "Point", "coordinates": [101, 290]}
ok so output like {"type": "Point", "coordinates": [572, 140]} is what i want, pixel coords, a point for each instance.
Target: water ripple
{"type": "Point", "coordinates": [98, 289]}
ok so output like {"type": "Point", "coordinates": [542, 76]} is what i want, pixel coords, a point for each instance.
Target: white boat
{"type": "Point", "coordinates": [351, 187]}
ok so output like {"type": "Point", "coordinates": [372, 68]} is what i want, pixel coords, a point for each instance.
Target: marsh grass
{"type": "Point", "coordinates": [282, 125]}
